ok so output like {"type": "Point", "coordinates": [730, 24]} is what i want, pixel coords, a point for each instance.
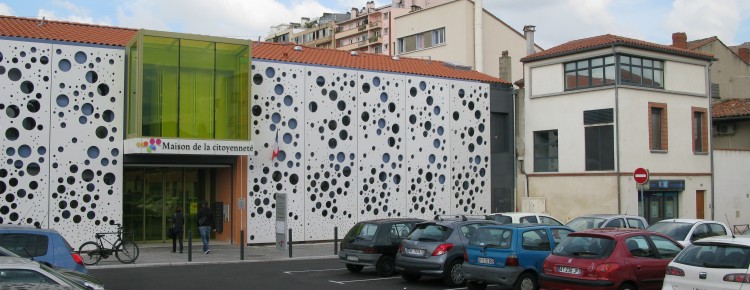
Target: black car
{"type": "Point", "coordinates": [375, 242]}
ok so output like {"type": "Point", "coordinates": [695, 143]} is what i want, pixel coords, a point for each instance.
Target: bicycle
{"type": "Point", "coordinates": [93, 251]}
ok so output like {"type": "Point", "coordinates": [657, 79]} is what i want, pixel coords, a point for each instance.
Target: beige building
{"type": "Point", "coordinates": [598, 108]}
{"type": "Point", "coordinates": [730, 73]}
{"type": "Point", "coordinates": [472, 38]}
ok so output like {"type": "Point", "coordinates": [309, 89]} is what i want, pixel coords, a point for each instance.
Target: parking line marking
{"type": "Point", "coordinates": [364, 280]}
{"type": "Point", "coordinates": [321, 270]}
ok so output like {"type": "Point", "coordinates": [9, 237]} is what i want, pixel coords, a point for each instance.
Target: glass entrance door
{"type": "Point", "coordinates": [151, 195]}
{"type": "Point", "coordinates": [659, 205]}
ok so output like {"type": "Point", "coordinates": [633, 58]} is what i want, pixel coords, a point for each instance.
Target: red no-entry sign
{"type": "Point", "coordinates": [640, 175]}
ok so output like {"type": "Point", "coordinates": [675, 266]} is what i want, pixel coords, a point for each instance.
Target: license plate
{"type": "Point", "coordinates": [418, 252]}
{"type": "Point", "coordinates": [352, 258]}
{"type": "Point", "coordinates": [482, 260]}
{"type": "Point", "coordinates": [569, 270]}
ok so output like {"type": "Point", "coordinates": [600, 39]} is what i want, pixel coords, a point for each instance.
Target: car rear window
{"type": "Point", "coordinates": [430, 233]}
{"type": "Point", "coordinates": [503, 219]}
{"type": "Point", "coordinates": [25, 245]}
{"type": "Point", "coordinates": [586, 247]}
{"type": "Point", "coordinates": [492, 238]}
{"type": "Point", "coordinates": [675, 230]}
{"type": "Point", "coordinates": [362, 231]}
{"type": "Point", "coordinates": [711, 255]}
{"type": "Point", "coordinates": [585, 223]}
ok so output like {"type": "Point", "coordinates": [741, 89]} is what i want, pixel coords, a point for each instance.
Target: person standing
{"type": "Point", "coordinates": [178, 225]}
{"type": "Point", "coordinates": [204, 220]}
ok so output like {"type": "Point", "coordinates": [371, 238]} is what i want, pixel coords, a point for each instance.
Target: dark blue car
{"type": "Point", "coordinates": [42, 245]}
{"type": "Point", "coordinates": [510, 254]}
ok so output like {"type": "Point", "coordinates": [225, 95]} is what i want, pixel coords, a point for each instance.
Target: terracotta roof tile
{"type": "Point", "coordinates": [695, 44]}
{"type": "Point", "coordinates": [65, 31]}
{"type": "Point", "coordinates": [608, 40]}
{"type": "Point", "coordinates": [329, 57]}
{"type": "Point", "coordinates": [731, 108]}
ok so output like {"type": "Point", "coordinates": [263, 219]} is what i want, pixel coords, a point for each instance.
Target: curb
{"type": "Point", "coordinates": [167, 264]}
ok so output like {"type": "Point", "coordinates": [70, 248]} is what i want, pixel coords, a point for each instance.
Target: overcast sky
{"type": "Point", "coordinates": [556, 21]}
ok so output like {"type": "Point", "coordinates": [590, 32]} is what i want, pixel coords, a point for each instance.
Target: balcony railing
{"type": "Point", "coordinates": [354, 45]}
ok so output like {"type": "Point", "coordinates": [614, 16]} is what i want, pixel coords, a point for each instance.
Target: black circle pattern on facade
{"type": "Point", "coordinates": [54, 105]}
{"type": "Point", "coordinates": [357, 145]}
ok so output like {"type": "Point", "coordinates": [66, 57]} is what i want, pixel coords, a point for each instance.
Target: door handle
{"type": "Point", "coordinates": [639, 267]}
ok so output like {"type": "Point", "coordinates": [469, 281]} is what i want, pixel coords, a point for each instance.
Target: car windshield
{"type": "Point", "coordinates": [586, 247]}
{"type": "Point", "coordinates": [362, 231]}
{"type": "Point", "coordinates": [430, 233]}
{"type": "Point", "coordinates": [715, 255]}
{"type": "Point", "coordinates": [492, 238]}
{"type": "Point", "coordinates": [675, 230]}
{"type": "Point", "coordinates": [585, 223]}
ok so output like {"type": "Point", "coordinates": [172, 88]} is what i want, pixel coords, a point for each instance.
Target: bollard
{"type": "Point", "coordinates": [242, 245]}
{"type": "Point", "coordinates": [335, 240]}
{"type": "Point", "coordinates": [190, 245]}
{"type": "Point", "coordinates": [289, 243]}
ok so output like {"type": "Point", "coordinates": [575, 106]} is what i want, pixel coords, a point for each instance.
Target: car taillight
{"type": "Point", "coordinates": [547, 267]}
{"type": "Point", "coordinates": [603, 270]}
{"type": "Point", "coordinates": [738, 277]}
{"type": "Point", "coordinates": [511, 260]}
{"type": "Point", "coordinates": [370, 250]}
{"type": "Point", "coordinates": [466, 256]}
{"type": "Point", "coordinates": [77, 258]}
{"type": "Point", "coordinates": [401, 248]}
{"type": "Point", "coordinates": [674, 271]}
{"type": "Point", "coordinates": [442, 249]}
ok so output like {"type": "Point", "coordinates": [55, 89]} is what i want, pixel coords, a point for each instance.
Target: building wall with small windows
{"type": "Point", "coordinates": [593, 117]}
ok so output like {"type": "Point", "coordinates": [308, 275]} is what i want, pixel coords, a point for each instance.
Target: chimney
{"type": "Point", "coordinates": [478, 36]}
{"type": "Point", "coordinates": [370, 6]}
{"type": "Point", "coordinates": [354, 13]}
{"type": "Point", "coordinates": [744, 53]}
{"type": "Point", "coordinates": [528, 33]}
{"type": "Point", "coordinates": [679, 40]}
{"type": "Point", "coordinates": [505, 66]}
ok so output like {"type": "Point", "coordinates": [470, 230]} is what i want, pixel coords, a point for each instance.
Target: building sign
{"type": "Point", "coordinates": [187, 146]}
{"type": "Point", "coordinates": [665, 185]}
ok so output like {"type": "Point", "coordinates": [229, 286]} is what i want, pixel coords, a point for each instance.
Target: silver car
{"type": "Point", "coordinates": [436, 248]}
{"type": "Point", "coordinates": [20, 272]}
{"type": "Point", "coordinates": [595, 221]}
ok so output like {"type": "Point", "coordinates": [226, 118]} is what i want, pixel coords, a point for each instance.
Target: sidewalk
{"type": "Point", "coordinates": [160, 254]}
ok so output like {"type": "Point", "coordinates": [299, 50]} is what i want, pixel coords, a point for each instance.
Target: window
{"type": "Point", "coordinates": [589, 73]}
{"type": "Point", "coordinates": [641, 71]}
{"type": "Point", "coordinates": [638, 247]}
{"type": "Point", "coordinates": [545, 151]}
{"type": "Point", "coordinates": [438, 36]}
{"type": "Point", "coordinates": [600, 146]}
{"type": "Point", "coordinates": [615, 223]}
{"type": "Point", "coordinates": [635, 223]}
{"type": "Point", "coordinates": [667, 249]}
{"type": "Point", "coordinates": [718, 230]}
{"type": "Point", "coordinates": [535, 240]}
{"type": "Point", "coordinates": [657, 129]}
{"type": "Point", "coordinates": [420, 41]}
{"type": "Point", "coordinates": [400, 45]}
{"type": "Point", "coordinates": [560, 234]}
{"type": "Point", "coordinates": [700, 130]}
{"type": "Point", "coordinates": [25, 245]}
{"type": "Point", "coordinates": [529, 220]}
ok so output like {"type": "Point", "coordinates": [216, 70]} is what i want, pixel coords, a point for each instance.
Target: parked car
{"type": "Point", "coordinates": [595, 221]}
{"type": "Point", "coordinates": [716, 263]}
{"type": "Point", "coordinates": [24, 273]}
{"type": "Point", "coordinates": [609, 258]}
{"type": "Point", "coordinates": [687, 231]}
{"type": "Point", "coordinates": [43, 245]}
{"type": "Point", "coordinates": [510, 254]}
{"type": "Point", "coordinates": [524, 218]}
{"type": "Point", "coordinates": [375, 243]}
{"type": "Point", "coordinates": [81, 278]}
{"type": "Point", "coordinates": [436, 248]}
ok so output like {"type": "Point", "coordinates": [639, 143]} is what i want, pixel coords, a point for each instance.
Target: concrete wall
{"type": "Point", "coordinates": [459, 34]}
{"type": "Point", "coordinates": [740, 139]}
{"type": "Point", "coordinates": [730, 72]}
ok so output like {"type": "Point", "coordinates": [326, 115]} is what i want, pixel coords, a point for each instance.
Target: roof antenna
{"type": "Point", "coordinates": [41, 23]}
{"type": "Point", "coordinates": [729, 224]}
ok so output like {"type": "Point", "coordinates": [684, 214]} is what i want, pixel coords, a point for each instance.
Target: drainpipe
{"type": "Point", "coordinates": [711, 138]}
{"type": "Point", "coordinates": [478, 41]}
{"type": "Point", "coordinates": [617, 133]}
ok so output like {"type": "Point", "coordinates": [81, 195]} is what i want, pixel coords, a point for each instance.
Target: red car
{"type": "Point", "coordinates": [609, 258]}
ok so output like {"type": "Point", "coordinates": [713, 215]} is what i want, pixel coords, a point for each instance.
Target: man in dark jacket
{"type": "Point", "coordinates": [204, 220]}
{"type": "Point", "coordinates": [178, 224]}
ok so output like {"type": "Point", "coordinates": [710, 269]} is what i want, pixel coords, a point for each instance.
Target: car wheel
{"type": "Point", "coordinates": [526, 281]}
{"type": "Point", "coordinates": [354, 268]}
{"type": "Point", "coordinates": [475, 285]}
{"type": "Point", "coordinates": [453, 276]}
{"type": "Point", "coordinates": [384, 267]}
{"type": "Point", "coordinates": [627, 286]}
{"type": "Point", "coordinates": [411, 277]}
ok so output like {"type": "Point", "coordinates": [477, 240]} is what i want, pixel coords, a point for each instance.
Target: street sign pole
{"type": "Point", "coordinates": [641, 176]}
